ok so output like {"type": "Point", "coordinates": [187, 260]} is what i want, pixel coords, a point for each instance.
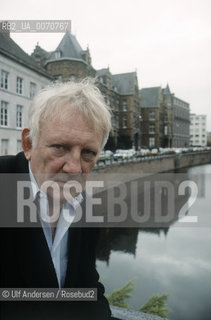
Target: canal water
{"type": "Point", "coordinates": [174, 259]}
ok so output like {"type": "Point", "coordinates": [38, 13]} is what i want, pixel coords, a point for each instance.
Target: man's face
{"type": "Point", "coordinates": [67, 150]}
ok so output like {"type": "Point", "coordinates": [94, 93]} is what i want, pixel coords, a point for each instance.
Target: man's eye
{"type": "Point", "coordinates": [89, 154]}
{"type": "Point", "coordinates": [58, 146]}
{"type": "Point", "coordinates": [58, 149]}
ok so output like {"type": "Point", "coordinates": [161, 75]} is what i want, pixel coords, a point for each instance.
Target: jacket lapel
{"type": "Point", "coordinates": [33, 253]}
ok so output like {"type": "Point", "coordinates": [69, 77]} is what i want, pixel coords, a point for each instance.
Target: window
{"type": "Point", "coordinates": [4, 147]}
{"type": "Point", "coordinates": [152, 128]}
{"type": "Point", "coordinates": [19, 146]}
{"type": "Point", "coordinates": [58, 78]}
{"type": "Point", "coordinates": [58, 54]}
{"type": "Point", "coordinates": [124, 120]}
{"type": "Point", "coordinates": [152, 115]}
{"type": "Point", "coordinates": [33, 89]}
{"type": "Point", "coordinates": [166, 130]}
{"type": "Point", "coordinates": [72, 77]}
{"type": "Point", "coordinates": [4, 79]}
{"type": "Point", "coordinates": [19, 116]}
{"type": "Point", "coordinates": [124, 105]}
{"type": "Point", "coordinates": [19, 85]}
{"type": "Point", "coordinates": [151, 142]}
{"type": "Point", "coordinates": [4, 114]}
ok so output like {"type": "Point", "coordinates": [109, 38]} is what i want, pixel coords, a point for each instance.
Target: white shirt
{"type": "Point", "coordinates": [59, 247]}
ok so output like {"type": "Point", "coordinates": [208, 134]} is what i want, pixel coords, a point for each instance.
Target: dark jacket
{"type": "Point", "coordinates": [26, 261]}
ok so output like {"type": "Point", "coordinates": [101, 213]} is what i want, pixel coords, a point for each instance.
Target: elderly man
{"type": "Point", "coordinates": [68, 126]}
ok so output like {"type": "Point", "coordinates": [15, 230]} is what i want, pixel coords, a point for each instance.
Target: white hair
{"type": "Point", "coordinates": [66, 99]}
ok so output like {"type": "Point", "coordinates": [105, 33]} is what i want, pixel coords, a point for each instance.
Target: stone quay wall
{"type": "Point", "coordinates": [158, 163]}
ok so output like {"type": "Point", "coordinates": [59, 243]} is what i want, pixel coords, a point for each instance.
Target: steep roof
{"type": "Point", "coordinates": [166, 90]}
{"type": "Point", "coordinates": [69, 48]}
{"type": "Point", "coordinates": [9, 48]}
{"type": "Point", "coordinates": [124, 82]}
{"type": "Point", "coordinates": [42, 52]}
{"type": "Point", "coordinates": [102, 72]}
{"type": "Point", "coordinates": [149, 97]}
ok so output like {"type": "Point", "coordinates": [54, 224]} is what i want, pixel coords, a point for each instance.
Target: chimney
{"type": "Point", "coordinates": [5, 27]}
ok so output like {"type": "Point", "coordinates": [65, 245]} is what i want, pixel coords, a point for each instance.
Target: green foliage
{"type": "Point", "coordinates": [117, 297]}
{"type": "Point", "coordinates": [156, 306]}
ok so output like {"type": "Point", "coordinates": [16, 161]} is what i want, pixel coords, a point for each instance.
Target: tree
{"type": "Point", "coordinates": [117, 297]}
{"type": "Point", "coordinates": [156, 306]}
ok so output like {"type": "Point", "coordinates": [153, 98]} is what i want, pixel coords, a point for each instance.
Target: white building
{"type": "Point", "coordinates": [198, 129]}
{"type": "Point", "coordinates": [20, 79]}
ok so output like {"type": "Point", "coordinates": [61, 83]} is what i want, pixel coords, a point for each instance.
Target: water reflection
{"type": "Point", "coordinates": [122, 239]}
{"type": "Point", "coordinates": [152, 201]}
{"type": "Point", "coordinates": [174, 260]}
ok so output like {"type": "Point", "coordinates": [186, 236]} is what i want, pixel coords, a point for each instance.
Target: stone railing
{"type": "Point", "coordinates": [128, 314]}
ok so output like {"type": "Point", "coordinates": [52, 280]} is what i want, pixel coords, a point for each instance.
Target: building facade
{"type": "Point", "coordinates": [198, 129]}
{"type": "Point", "coordinates": [112, 99]}
{"type": "Point", "coordinates": [165, 119]}
{"type": "Point", "coordinates": [20, 79]}
{"type": "Point", "coordinates": [129, 113]}
{"type": "Point", "coordinates": [151, 113]}
{"type": "Point", "coordinates": [181, 123]}
{"type": "Point", "coordinates": [67, 62]}
{"type": "Point", "coordinates": [209, 139]}
{"type": "Point", "coordinates": [70, 62]}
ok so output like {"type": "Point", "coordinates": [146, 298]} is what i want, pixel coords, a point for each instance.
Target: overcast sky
{"type": "Point", "coordinates": [165, 41]}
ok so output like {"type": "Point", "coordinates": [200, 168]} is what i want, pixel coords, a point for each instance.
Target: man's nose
{"type": "Point", "coordinates": [73, 163]}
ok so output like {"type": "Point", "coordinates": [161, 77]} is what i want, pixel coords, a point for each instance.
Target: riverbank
{"type": "Point", "coordinates": [158, 163]}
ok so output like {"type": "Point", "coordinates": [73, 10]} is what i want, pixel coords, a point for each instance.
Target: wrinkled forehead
{"type": "Point", "coordinates": [65, 112]}
{"type": "Point", "coordinates": [69, 121]}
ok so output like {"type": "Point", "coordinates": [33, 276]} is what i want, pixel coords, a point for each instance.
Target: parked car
{"type": "Point", "coordinates": [121, 155]}
{"type": "Point", "coordinates": [154, 151]}
{"type": "Point", "coordinates": [109, 155]}
{"type": "Point", "coordinates": [131, 153]}
{"type": "Point", "coordinates": [142, 153]}
{"type": "Point", "coordinates": [102, 157]}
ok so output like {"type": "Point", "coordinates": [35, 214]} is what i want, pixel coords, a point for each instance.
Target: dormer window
{"type": "Point", "coordinates": [58, 54]}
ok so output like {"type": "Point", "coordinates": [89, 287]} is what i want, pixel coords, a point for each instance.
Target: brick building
{"type": "Point", "coordinates": [129, 109]}
{"type": "Point", "coordinates": [165, 118]}
{"type": "Point", "coordinates": [70, 62]}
